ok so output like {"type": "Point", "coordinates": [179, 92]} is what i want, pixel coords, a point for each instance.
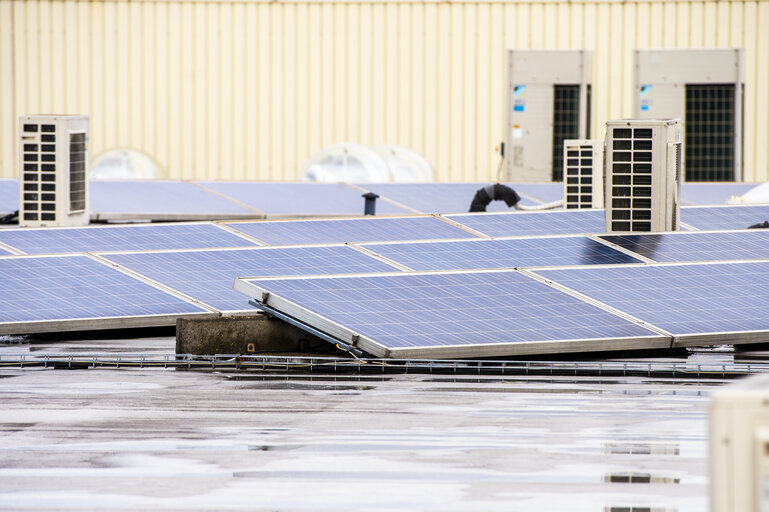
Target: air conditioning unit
{"type": "Point", "coordinates": [739, 446]}
{"type": "Point", "coordinates": [53, 170]}
{"type": "Point", "coordinates": [548, 99]}
{"type": "Point", "coordinates": [582, 173]}
{"type": "Point", "coordinates": [704, 88]}
{"type": "Point", "coordinates": [643, 166]}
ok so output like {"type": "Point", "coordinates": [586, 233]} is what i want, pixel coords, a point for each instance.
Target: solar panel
{"type": "Point", "coordinates": [436, 197]}
{"type": "Point", "coordinates": [208, 275]}
{"type": "Point", "coordinates": [4, 251]}
{"type": "Point", "coordinates": [541, 192]}
{"type": "Point", "coordinates": [555, 222]}
{"type": "Point", "coordinates": [9, 196]}
{"type": "Point", "coordinates": [697, 245]}
{"type": "Point", "coordinates": [712, 193]}
{"type": "Point", "coordinates": [59, 293]}
{"type": "Point", "coordinates": [350, 230]}
{"type": "Point", "coordinates": [702, 303]}
{"type": "Point", "coordinates": [500, 253]}
{"type": "Point", "coordinates": [468, 314]}
{"type": "Point", "coordinates": [160, 200]}
{"type": "Point", "coordinates": [278, 199]}
{"type": "Point", "coordinates": [713, 218]}
{"type": "Point", "coordinates": [120, 238]}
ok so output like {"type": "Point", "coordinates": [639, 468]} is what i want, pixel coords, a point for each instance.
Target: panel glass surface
{"type": "Point", "coordinates": [724, 217]}
{"type": "Point", "coordinates": [560, 222]}
{"type": "Point", "coordinates": [525, 252]}
{"type": "Point", "coordinates": [121, 238]}
{"type": "Point", "coordinates": [697, 246]}
{"type": "Point", "coordinates": [350, 230]}
{"type": "Point", "coordinates": [208, 276]}
{"type": "Point", "coordinates": [439, 310]}
{"type": "Point", "coordinates": [437, 197]}
{"type": "Point", "coordinates": [36, 289]}
{"type": "Point", "coordinates": [158, 197]}
{"type": "Point", "coordinates": [712, 193]}
{"type": "Point", "coordinates": [681, 299]}
{"type": "Point", "coordinates": [9, 196]}
{"type": "Point", "coordinates": [299, 198]}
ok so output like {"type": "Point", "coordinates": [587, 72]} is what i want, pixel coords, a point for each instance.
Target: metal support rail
{"type": "Point", "coordinates": [312, 364]}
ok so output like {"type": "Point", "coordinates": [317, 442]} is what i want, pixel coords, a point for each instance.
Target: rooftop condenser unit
{"type": "Point", "coordinates": [548, 101]}
{"type": "Point", "coordinates": [582, 173]}
{"type": "Point", "coordinates": [53, 170]}
{"type": "Point", "coordinates": [643, 166]}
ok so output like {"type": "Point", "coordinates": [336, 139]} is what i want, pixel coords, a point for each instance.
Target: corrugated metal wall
{"type": "Point", "coordinates": [250, 89]}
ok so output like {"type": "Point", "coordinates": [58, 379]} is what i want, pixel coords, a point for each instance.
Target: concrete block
{"type": "Point", "coordinates": [243, 335]}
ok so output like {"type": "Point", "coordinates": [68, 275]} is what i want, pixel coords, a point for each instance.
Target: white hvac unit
{"type": "Point", "coordinates": [582, 173]}
{"type": "Point", "coordinates": [739, 447]}
{"type": "Point", "coordinates": [53, 170]}
{"type": "Point", "coordinates": [702, 87]}
{"type": "Point", "coordinates": [642, 165]}
{"type": "Point", "coordinates": [547, 101]}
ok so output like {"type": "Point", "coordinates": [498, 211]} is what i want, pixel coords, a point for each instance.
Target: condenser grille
{"type": "Point", "coordinates": [77, 178]}
{"type": "Point", "coordinates": [39, 169]}
{"type": "Point", "coordinates": [631, 185]}
{"type": "Point", "coordinates": [579, 167]}
{"type": "Point", "coordinates": [710, 132]}
{"type": "Point", "coordinates": [565, 123]}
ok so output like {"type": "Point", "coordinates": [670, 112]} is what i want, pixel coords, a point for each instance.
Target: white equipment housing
{"type": "Point", "coordinates": [547, 101]}
{"type": "Point", "coordinates": [703, 88]}
{"type": "Point", "coordinates": [582, 173]}
{"type": "Point", "coordinates": [643, 164]}
{"type": "Point", "coordinates": [53, 170]}
{"type": "Point", "coordinates": [739, 446]}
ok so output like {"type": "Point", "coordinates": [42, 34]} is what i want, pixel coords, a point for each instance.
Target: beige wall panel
{"type": "Point", "coordinates": [248, 89]}
{"type": "Point", "coordinates": [7, 110]}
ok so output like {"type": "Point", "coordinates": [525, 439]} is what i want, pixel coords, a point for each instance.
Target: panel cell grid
{"type": "Point", "coordinates": [569, 222]}
{"type": "Point", "coordinates": [565, 122]}
{"type": "Point", "coordinates": [120, 238]}
{"type": "Point", "coordinates": [208, 275]}
{"type": "Point", "coordinates": [697, 246]}
{"type": "Point", "coordinates": [724, 217]}
{"type": "Point", "coordinates": [34, 289]}
{"type": "Point", "coordinates": [681, 299]}
{"type": "Point", "coordinates": [350, 230]}
{"type": "Point", "coordinates": [429, 311]}
{"type": "Point", "coordinates": [489, 254]}
{"type": "Point", "coordinates": [710, 132]}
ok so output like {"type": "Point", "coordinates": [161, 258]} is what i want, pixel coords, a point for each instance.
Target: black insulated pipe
{"type": "Point", "coordinates": [496, 192]}
{"type": "Point", "coordinates": [369, 207]}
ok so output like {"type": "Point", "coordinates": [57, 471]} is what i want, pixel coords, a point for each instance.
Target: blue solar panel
{"type": "Point", "coordinates": [9, 196]}
{"type": "Point", "coordinates": [39, 289]}
{"type": "Point", "coordinates": [299, 198]}
{"type": "Point", "coordinates": [121, 238]}
{"type": "Point", "coordinates": [712, 193]}
{"type": "Point", "coordinates": [558, 222]}
{"type": "Point", "coordinates": [697, 246]}
{"type": "Point", "coordinates": [681, 299]}
{"type": "Point", "coordinates": [436, 197]}
{"type": "Point", "coordinates": [160, 200]}
{"type": "Point", "coordinates": [447, 315]}
{"type": "Point", "coordinates": [541, 192]}
{"type": "Point", "coordinates": [4, 251]}
{"type": "Point", "coordinates": [521, 252]}
{"type": "Point", "coordinates": [208, 275]}
{"type": "Point", "coordinates": [724, 217]}
{"type": "Point", "coordinates": [350, 230]}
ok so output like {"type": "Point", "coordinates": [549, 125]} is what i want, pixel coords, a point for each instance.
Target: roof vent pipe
{"type": "Point", "coordinates": [369, 207]}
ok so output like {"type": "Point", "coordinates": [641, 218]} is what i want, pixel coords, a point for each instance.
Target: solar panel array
{"type": "Point", "coordinates": [120, 238]}
{"type": "Point", "coordinates": [555, 222]}
{"type": "Point", "coordinates": [714, 218]}
{"type": "Point", "coordinates": [697, 245]}
{"type": "Point", "coordinates": [351, 230]}
{"type": "Point", "coordinates": [451, 315]}
{"type": "Point", "coordinates": [500, 253]}
{"type": "Point", "coordinates": [9, 196]}
{"type": "Point", "coordinates": [690, 301]}
{"type": "Point", "coordinates": [40, 294]}
{"type": "Point", "coordinates": [207, 276]}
